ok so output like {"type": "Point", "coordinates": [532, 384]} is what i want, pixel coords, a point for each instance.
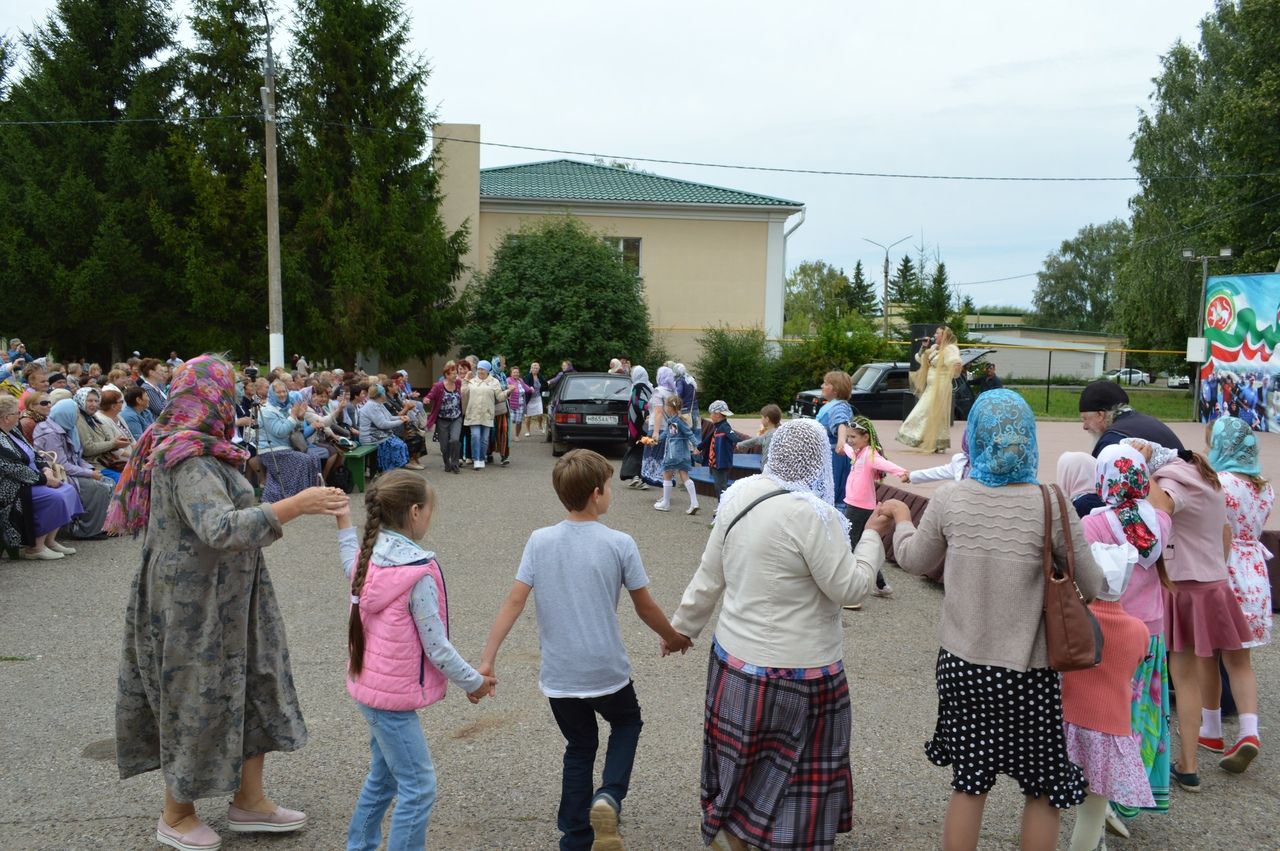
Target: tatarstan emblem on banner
{"type": "Point", "coordinates": [1242, 326]}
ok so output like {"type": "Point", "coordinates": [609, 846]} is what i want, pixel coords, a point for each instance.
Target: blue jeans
{"type": "Point", "coordinates": [479, 442]}
{"type": "Point", "coordinates": [576, 717]}
{"type": "Point", "coordinates": [400, 768]}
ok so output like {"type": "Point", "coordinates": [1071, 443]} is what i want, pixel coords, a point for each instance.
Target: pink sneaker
{"type": "Point", "coordinates": [203, 838]}
{"type": "Point", "coordinates": [248, 821]}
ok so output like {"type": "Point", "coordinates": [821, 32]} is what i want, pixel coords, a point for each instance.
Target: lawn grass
{"type": "Point", "coordinates": [1164, 405]}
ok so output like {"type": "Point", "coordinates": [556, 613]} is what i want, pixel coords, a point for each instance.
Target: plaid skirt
{"type": "Point", "coordinates": [775, 759]}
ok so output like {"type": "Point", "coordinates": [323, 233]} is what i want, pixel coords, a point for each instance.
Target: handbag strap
{"type": "Point", "coordinates": [1067, 544]}
{"type": "Point", "coordinates": [743, 512]}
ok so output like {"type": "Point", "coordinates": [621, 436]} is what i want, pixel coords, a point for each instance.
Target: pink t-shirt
{"type": "Point", "coordinates": [1143, 598]}
{"type": "Point", "coordinates": [860, 487]}
{"type": "Point", "coordinates": [1194, 551]}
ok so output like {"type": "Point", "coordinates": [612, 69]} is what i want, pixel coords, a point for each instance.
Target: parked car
{"type": "Point", "coordinates": [882, 391]}
{"type": "Point", "coordinates": [1179, 381]}
{"type": "Point", "coordinates": [588, 407]}
{"type": "Point", "coordinates": [1128, 375]}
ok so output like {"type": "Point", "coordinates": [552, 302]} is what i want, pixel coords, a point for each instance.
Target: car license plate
{"type": "Point", "coordinates": [602, 419]}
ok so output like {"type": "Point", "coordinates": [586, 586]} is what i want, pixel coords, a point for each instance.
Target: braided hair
{"type": "Point", "coordinates": [861, 423]}
{"type": "Point", "coordinates": [387, 502]}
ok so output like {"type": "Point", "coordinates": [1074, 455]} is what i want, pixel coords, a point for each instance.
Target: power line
{"type": "Point", "coordinates": [664, 161]}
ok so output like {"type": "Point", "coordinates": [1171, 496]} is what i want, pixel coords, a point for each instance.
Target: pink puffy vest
{"type": "Point", "coordinates": [397, 675]}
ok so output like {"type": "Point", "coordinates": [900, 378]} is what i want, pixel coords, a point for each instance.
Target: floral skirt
{"type": "Point", "coordinates": [1111, 764]}
{"type": "Point", "coordinates": [1149, 718]}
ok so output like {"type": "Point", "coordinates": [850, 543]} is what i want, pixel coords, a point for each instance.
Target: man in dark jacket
{"type": "Point", "coordinates": [990, 381]}
{"type": "Point", "coordinates": [1105, 413]}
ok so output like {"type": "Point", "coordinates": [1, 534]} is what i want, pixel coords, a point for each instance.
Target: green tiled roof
{"type": "Point", "coordinates": [570, 180]}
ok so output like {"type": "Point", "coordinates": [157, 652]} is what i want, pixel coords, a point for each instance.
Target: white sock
{"type": "Point", "coordinates": [693, 493]}
{"type": "Point", "coordinates": [1211, 723]}
{"type": "Point", "coordinates": [1248, 724]}
{"type": "Point", "coordinates": [666, 491]}
{"type": "Point", "coordinates": [1091, 818]}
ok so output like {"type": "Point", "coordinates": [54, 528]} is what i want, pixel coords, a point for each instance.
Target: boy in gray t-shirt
{"type": "Point", "coordinates": [578, 569]}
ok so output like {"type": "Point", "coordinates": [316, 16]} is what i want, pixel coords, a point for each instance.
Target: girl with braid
{"type": "Point", "coordinates": [868, 465]}
{"type": "Point", "coordinates": [399, 622]}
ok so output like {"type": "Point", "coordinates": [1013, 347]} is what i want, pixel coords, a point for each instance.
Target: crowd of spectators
{"type": "Point", "coordinates": [79, 423]}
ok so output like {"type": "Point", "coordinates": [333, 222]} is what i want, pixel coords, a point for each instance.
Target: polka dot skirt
{"type": "Point", "coordinates": [995, 720]}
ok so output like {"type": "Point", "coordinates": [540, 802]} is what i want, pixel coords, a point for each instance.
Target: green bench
{"type": "Point", "coordinates": [357, 461]}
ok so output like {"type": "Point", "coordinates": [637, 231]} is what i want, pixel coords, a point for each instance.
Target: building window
{"type": "Point", "coordinates": [628, 248]}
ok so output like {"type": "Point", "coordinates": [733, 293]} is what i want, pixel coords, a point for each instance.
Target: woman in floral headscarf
{"type": "Point", "coordinates": [205, 689]}
{"type": "Point", "coordinates": [999, 702]}
{"type": "Point", "coordinates": [775, 752]}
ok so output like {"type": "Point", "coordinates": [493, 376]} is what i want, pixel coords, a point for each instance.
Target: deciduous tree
{"type": "Point", "coordinates": [1077, 287]}
{"type": "Point", "coordinates": [556, 289]}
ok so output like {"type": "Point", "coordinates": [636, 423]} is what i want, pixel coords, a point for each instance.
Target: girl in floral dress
{"type": "Point", "coordinates": [1233, 454]}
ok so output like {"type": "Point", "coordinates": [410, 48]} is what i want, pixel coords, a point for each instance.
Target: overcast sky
{"type": "Point", "coordinates": [981, 88]}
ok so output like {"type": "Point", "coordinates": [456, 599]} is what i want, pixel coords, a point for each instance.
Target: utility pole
{"type": "Point", "coordinates": [884, 313]}
{"type": "Point", "coordinates": [1189, 256]}
{"type": "Point", "coordinates": [275, 312]}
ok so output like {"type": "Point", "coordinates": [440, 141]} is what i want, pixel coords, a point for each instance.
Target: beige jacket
{"type": "Point", "coordinates": [480, 399]}
{"type": "Point", "coordinates": [784, 573]}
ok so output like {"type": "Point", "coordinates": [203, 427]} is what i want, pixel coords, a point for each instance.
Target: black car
{"type": "Point", "coordinates": [588, 407]}
{"type": "Point", "coordinates": [882, 391]}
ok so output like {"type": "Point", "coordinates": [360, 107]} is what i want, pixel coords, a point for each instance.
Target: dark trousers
{"type": "Point", "coordinates": [449, 436]}
{"type": "Point", "coordinates": [577, 719]}
{"type": "Point", "coordinates": [858, 518]}
{"type": "Point", "coordinates": [721, 477]}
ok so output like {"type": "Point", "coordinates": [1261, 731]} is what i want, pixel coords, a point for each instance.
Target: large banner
{"type": "Point", "coordinates": [1242, 375]}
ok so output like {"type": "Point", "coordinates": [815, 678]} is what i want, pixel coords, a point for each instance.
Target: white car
{"type": "Point", "coordinates": [1134, 377]}
{"type": "Point", "coordinates": [1179, 381]}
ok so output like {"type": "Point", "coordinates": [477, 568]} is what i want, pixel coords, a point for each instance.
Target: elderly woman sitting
{"type": "Point", "coordinates": [57, 436]}
{"type": "Point", "coordinates": [33, 503]}
{"type": "Point", "coordinates": [98, 441]}
{"type": "Point", "coordinates": [380, 427]}
{"type": "Point", "coordinates": [289, 470]}
{"type": "Point", "coordinates": [34, 409]}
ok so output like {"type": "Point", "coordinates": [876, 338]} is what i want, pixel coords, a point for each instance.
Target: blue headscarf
{"type": "Point", "coordinates": [1002, 440]}
{"type": "Point", "coordinates": [65, 413]}
{"type": "Point", "coordinates": [1233, 447]}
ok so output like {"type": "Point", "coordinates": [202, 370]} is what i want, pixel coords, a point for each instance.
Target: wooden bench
{"type": "Point", "coordinates": [357, 461]}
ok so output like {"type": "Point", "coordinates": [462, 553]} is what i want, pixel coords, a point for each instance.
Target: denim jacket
{"type": "Point", "coordinates": [676, 439]}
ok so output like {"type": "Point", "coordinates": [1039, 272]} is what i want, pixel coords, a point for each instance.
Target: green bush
{"type": "Point", "coordinates": [735, 366]}
{"type": "Point", "coordinates": [843, 344]}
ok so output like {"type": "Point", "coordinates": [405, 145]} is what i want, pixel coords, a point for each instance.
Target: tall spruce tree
{"type": "Point", "coordinates": [87, 256]}
{"type": "Point", "coordinates": [369, 264]}
{"type": "Point", "coordinates": [904, 283]}
{"type": "Point", "coordinates": [936, 301]}
{"type": "Point", "coordinates": [216, 238]}
{"type": "Point", "coordinates": [862, 293]}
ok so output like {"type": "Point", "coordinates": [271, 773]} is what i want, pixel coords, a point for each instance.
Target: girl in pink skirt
{"type": "Point", "coordinates": [1202, 616]}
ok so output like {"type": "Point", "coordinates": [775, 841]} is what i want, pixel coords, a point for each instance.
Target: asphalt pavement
{"type": "Point", "coordinates": [499, 762]}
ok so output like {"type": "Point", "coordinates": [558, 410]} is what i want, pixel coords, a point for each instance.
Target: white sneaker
{"type": "Point", "coordinates": [479, 465]}
{"type": "Point", "coordinates": [1115, 824]}
{"type": "Point", "coordinates": [59, 547]}
{"type": "Point", "coordinates": [662, 506]}
{"type": "Point", "coordinates": [693, 509]}
{"type": "Point", "coordinates": [48, 554]}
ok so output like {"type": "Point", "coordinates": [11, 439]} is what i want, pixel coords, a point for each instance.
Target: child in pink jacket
{"type": "Point", "coordinates": [869, 465]}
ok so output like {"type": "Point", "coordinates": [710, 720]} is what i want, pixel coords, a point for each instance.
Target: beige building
{"type": "Point", "coordinates": [707, 255]}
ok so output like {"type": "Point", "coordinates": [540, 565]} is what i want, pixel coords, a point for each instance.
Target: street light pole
{"type": "Point", "coordinates": [1189, 256]}
{"type": "Point", "coordinates": [275, 312]}
{"type": "Point", "coordinates": [884, 313]}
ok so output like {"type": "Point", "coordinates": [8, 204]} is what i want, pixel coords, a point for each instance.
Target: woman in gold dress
{"type": "Point", "coordinates": [928, 427]}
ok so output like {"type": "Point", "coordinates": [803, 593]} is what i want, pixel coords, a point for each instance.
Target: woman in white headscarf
{"type": "Point", "coordinates": [775, 759]}
{"type": "Point", "coordinates": [637, 410]}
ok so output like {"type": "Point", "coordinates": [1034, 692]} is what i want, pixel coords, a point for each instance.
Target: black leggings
{"type": "Point", "coordinates": [858, 518]}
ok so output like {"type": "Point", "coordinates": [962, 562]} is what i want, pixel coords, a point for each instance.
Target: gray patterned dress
{"type": "Point", "coordinates": [204, 677]}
